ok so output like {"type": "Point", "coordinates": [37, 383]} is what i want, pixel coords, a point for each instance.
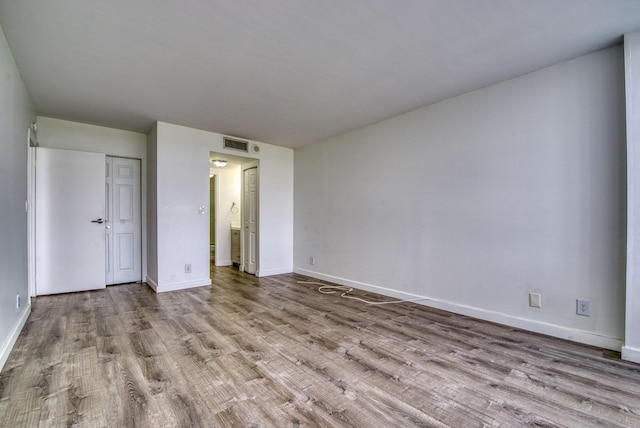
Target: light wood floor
{"type": "Point", "coordinates": [270, 352]}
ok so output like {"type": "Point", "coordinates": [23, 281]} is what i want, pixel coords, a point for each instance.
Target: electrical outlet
{"type": "Point", "coordinates": [312, 261]}
{"type": "Point", "coordinates": [583, 307]}
{"type": "Point", "coordinates": [17, 301]}
{"type": "Point", "coordinates": [187, 268]}
{"type": "Point", "coordinates": [535, 300]}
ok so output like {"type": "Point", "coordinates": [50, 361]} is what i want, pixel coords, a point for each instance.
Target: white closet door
{"type": "Point", "coordinates": [124, 223]}
{"type": "Point", "coordinates": [70, 209]}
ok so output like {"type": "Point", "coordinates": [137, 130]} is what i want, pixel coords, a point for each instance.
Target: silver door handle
{"type": "Point", "coordinates": [99, 221]}
{"type": "Point", "coordinates": [108, 227]}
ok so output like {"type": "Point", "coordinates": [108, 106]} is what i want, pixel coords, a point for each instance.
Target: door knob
{"type": "Point", "coordinates": [99, 221]}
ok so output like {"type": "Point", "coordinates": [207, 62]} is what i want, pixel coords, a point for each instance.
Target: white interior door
{"type": "Point", "coordinates": [123, 221]}
{"type": "Point", "coordinates": [250, 218]}
{"type": "Point", "coordinates": [70, 208]}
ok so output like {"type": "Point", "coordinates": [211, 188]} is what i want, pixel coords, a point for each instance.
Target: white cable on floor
{"type": "Point", "coordinates": [348, 290]}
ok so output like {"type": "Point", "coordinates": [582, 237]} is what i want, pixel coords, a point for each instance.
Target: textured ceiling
{"type": "Point", "coordinates": [287, 72]}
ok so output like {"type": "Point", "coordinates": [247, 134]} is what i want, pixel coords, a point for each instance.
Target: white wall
{"type": "Point", "coordinates": [63, 134]}
{"type": "Point", "coordinates": [183, 186]}
{"type": "Point", "coordinates": [276, 210]}
{"type": "Point", "coordinates": [631, 349]}
{"type": "Point", "coordinates": [66, 135]}
{"type": "Point", "coordinates": [16, 114]}
{"type": "Point", "coordinates": [480, 199]}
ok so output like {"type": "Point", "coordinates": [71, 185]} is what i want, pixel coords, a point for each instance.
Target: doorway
{"type": "Point", "coordinates": [231, 211]}
{"type": "Point", "coordinates": [87, 221]}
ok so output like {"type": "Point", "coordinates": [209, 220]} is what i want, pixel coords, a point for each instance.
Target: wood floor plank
{"type": "Point", "coordinates": [272, 352]}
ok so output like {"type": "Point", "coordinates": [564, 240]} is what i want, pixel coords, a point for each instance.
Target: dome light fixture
{"type": "Point", "coordinates": [219, 163]}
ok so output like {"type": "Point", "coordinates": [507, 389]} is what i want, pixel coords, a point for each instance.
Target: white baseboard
{"type": "Point", "coordinates": [152, 284]}
{"type": "Point", "coordinates": [224, 262]}
{"type": "Point", "coordinates": [271, 272]}
{"type": "Point", "coordinates": [631, 354]}
{"type": "Point", "coordinates": [13, 336]}
{"type": "Point", "coordinates": [575, 335]}
{"type": "Point", "coordinates": [174, 286]}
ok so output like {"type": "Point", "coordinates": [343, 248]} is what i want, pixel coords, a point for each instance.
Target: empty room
{"type": "Point", "coordinates": [320, 213]}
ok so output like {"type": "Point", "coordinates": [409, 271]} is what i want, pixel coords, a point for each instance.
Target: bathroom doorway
{"type": "Point", "coordinates": [228, 217]}
{"type": "Point", "coordinates": [226, 236]}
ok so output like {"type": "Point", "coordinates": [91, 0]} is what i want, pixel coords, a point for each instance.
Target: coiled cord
{"type": "Point", "coordinates": [346, 290]}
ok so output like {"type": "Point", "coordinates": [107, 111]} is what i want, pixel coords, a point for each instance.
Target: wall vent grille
{"type": "Point", "coordinates": [230, 143]}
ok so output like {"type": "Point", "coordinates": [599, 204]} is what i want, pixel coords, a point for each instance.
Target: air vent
{"type": "Point", "coordinates": [236, 144]}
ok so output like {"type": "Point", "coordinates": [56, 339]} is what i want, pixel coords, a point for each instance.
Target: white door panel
{"type": "Point", "coordinates": [250, 212]}
{"type": "Point", "coordinates": [70, 208]}
{"type": "Point", "coordinates": [124, 259]}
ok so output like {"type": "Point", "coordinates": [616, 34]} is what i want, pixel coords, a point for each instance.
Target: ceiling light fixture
{"type": "Point", "coordinates": [219, 163]}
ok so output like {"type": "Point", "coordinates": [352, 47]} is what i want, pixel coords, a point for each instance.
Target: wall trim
{"type": "Point", "coordinates": [151, 283]}
{"type": "Point", "coordinates": [574, 335]}
{"type": "Point", "coordinates": [271, 272]}
{"type": "Point", "coordinates": [174, 286]}
{"type": "Point", "coordinates": [15, 332]}
{"type": "Point", "coordinates": [631, 354]}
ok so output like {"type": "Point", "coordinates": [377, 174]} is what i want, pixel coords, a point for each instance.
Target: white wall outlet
{"type": "Point", "coordinates": [312, 261]}
{"type": "Point", "coordinates": [583, 307]}
{"type": "Point", "coordinates": [535, 300]}
{"type": "Point", "coordinates": [187, 268]}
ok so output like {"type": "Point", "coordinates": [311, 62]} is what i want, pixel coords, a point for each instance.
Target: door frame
{"type": "Point", "coordinates": [244, 212]}
{"type": "Point", "coordinates": [216, 218]}
{"type": "Point", "coordinates": [32, 143]}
